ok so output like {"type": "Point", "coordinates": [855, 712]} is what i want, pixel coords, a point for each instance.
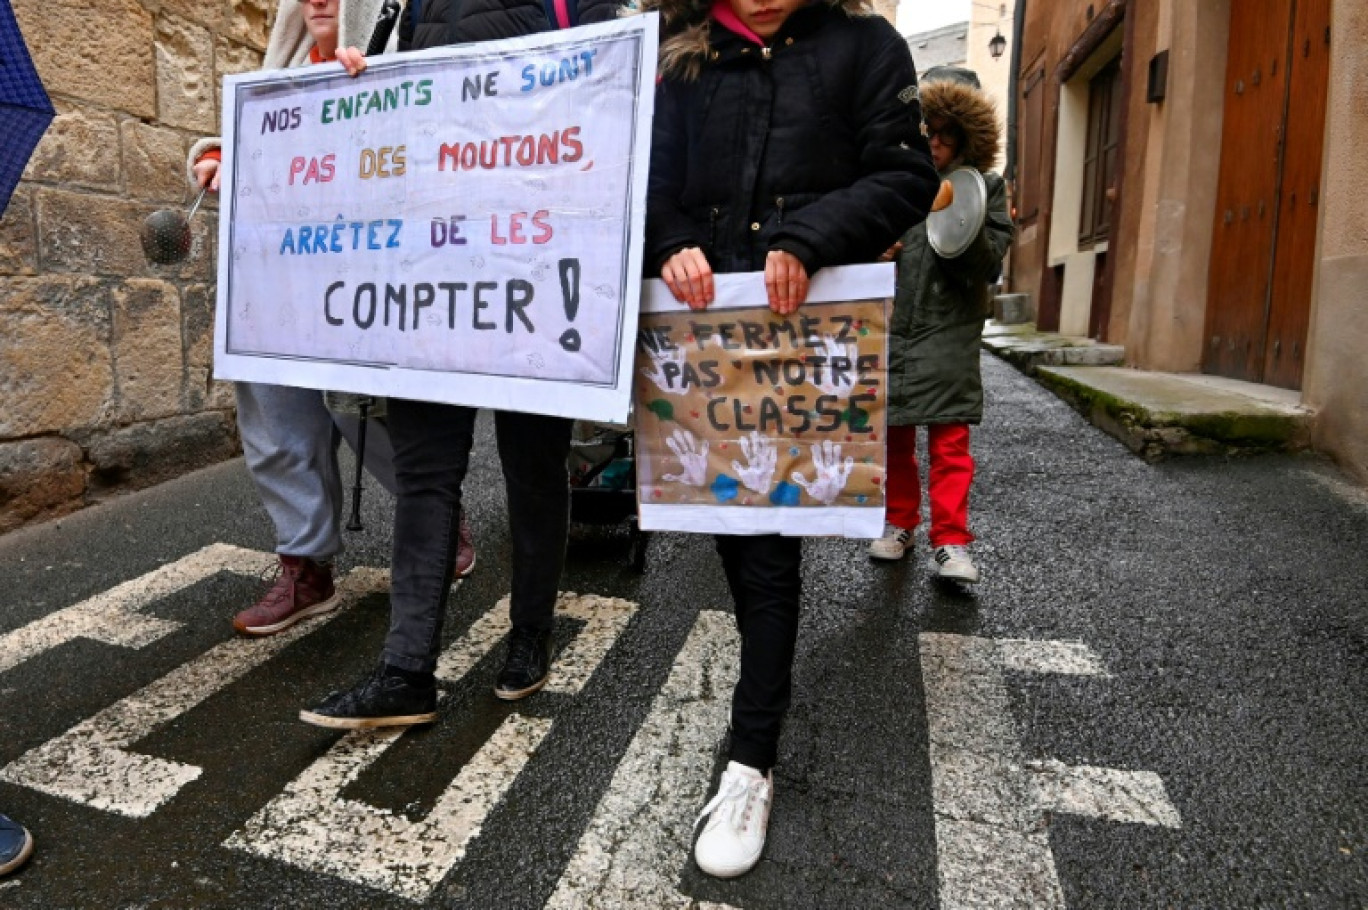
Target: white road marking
{"type": "Point", "coordinates": [112, 616]}
{"type": "Point", "coordinates": [642, 831]}
{"type": "Point", "coordinates": [991, 842]}
{"type": "Point", "coordinates": [311, 826]}
{"type": "Point", "coordinates": [90, 764]}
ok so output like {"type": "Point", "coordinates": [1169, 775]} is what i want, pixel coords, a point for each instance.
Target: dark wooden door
{"type": "Point", "coordinates": [1294, 246]}
{"type": "Point", "coordinates": [1262, 258]}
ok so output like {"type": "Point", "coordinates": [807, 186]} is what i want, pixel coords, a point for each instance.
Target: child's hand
{"type": "Point", "coordinates": [892, 252]}
{"type": "Point", "coordinates": [786, 282]}
{"type": "Point", "coordinates": [689, 277]}
{"type": "Point", "coordinates": [352, 60]}
{"type": "Point", "coordinates": [207, 173]}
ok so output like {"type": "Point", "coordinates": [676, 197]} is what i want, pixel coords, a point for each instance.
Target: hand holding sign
{"type": "Point", "coordinates": [761, 458]}
{"type": "Point", "coordinates": [692, 460]}
{"type": "Point", "coordinates": [831, 474]}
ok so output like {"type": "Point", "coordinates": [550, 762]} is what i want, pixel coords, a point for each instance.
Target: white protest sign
{"type": "Point", "coordinates": [462, 224]}
{"type": "Point", "coordinates": [752, 423]}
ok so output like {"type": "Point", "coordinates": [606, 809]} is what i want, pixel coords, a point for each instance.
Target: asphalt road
{"type": "Point", "coordinates": [1155, 698]}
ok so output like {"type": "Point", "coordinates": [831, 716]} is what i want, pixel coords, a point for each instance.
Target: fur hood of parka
{"type": "Point", "coordinates": [972, 110]}
{"type": "Point", "coordinates": [290, 43]}
{"type": "Point", "coordinates": [686, 31]}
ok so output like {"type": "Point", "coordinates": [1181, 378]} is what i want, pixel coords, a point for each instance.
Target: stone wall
{"type": "Point", "coordinates": [105, 359]}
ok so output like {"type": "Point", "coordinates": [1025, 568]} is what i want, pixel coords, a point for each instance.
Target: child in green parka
{"type": "Point", "coordinates": [935, 333]}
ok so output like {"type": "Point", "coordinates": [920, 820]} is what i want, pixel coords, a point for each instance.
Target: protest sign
{"type": "Point", "coordinates": [462, 224]}
{"type": "Point", "coordinates": [750, 423]}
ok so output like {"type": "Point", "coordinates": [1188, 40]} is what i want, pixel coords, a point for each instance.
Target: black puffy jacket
{"type": "Point", "coordinates": [811, 144]}
{"type": "Point", "coordinates": [442, 22]}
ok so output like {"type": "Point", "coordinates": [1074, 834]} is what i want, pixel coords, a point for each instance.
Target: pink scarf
{"type": "Point", "coordinates": [722, 11]}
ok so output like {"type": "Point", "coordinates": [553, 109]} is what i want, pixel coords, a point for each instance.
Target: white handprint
{"type": "Point", "coordinates": [834, 350]}
{"type": "Point", "coordinates": [692, 460]}
{"type": "Point", "coordinates": [760, 460]}
{"type": "Point", "coordinates": [831, 474]}
{"type": "Point", "coordinates": [659, 361]}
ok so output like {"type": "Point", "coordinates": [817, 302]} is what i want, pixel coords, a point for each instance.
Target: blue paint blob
{"type": "Point", "coordinates": [785, 494]}
{"type": "Point", "coordinates": [724, 488]}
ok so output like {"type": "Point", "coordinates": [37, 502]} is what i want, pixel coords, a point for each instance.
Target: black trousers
{"type": "Point", "coordinates": [432, 444]}
{"type": "Point", "coordinates": [765, 577]}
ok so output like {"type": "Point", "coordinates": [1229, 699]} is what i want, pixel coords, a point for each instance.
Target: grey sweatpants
{"type": "Point", "coordinates": [290, 442]}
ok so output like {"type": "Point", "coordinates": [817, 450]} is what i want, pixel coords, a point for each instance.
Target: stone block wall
{"type": "Point", "coordinates": [105, 359]}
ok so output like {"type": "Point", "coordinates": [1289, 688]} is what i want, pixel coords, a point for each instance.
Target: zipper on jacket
{"type": "Point", "coordinates": [779, 208]}
{"type": "Point", "coordinates": [712, 226]}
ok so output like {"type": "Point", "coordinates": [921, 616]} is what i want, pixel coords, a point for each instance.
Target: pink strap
{"type": "Point", "coordinates": [562, 14]}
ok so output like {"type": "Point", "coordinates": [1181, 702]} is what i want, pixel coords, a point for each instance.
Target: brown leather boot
{"type": "Point", "coordinates": [302, 588]}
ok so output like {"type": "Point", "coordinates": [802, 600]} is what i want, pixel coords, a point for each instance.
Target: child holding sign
{"type": "Point", "coordinates": [785, 139]}
{"type": "Point", "coordinates": [935, 335]}
{"type": "Point", "coordinates": [288, 434]}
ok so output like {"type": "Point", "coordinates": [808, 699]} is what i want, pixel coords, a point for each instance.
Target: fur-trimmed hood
{"type": "Point", "coordinates": [290, 41]}
{"type": "Point", "coordinates": [686, 29]}
{"type": "Point", "coordinates": [973, 110]}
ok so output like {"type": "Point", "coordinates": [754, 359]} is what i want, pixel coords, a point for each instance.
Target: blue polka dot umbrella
{"type": "Point", "coordinates": [25, 110]}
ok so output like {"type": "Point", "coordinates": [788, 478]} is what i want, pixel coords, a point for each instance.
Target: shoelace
{"type": "Point", "coordinates": [733, 788]}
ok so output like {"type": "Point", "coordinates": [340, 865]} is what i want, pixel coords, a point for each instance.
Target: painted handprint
{"type": "Point", "coordinates": [667, 367]}
{"type": "Point", "coordinates": [839, 353]}
{"type": "Point", "coordinates": [692, 459]}
{"type": "Point", "coordinates": [830, 475]}
{"type": "Point", "coordinates": [760, 460]}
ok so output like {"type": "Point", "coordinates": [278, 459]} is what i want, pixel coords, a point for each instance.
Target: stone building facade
{"type": "Point", "coordinates": [105, 359]}
{"type": "Point", "coordinates": [1224, 235]}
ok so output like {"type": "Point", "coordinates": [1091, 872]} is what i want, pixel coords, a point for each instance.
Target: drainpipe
{"type": "Point", "coordinates": [1018, 18]}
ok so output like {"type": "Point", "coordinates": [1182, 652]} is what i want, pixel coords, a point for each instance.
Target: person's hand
{"type": "Point", "coordinates": [207, 173]}
{"type": "Point", "coordinates": [831, 474]}
{"type": "Point", "coordinates": [352, 60]}
{"type": "Point", "coordinates": [689, 277]}
{"type": "Point", "coordinates": [692, 460]}
{"type": "Point", "coordinates": [892, 252]}
{"type": "Point", "coordinates": [786, 282]}
{"type": "Point", "coordinates": [761, 457]}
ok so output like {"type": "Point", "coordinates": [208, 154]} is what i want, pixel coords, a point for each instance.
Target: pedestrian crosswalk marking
{"type": "Point", "coordinates": [91, 763]}
{"type": "Point", "coordinates": [641, 832]}
{"type": "Point", "coordinates": [311, 826]}
{"type": "Point", "coordinates": [113, 616]}
{"type": "Point", "coordinates": [992, 845]}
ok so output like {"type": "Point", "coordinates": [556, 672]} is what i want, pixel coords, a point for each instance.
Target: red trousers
{"type": "Point", "coordinates": [951, 474]}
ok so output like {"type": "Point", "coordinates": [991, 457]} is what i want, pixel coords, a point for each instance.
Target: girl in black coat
{"type": "Point", "coordinates": [786, 138]}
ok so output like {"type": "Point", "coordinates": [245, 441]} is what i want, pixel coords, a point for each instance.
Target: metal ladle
{"type": "Point", "coordinates": [165, 234]}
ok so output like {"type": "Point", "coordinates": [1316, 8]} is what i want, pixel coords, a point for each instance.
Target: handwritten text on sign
{"type": "Point", "coordinates": [756, 422]}
{"type": "Point", "coordinates": [457, 225]}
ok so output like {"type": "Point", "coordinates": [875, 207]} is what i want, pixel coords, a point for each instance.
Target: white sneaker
{"type": "Point", "coordinates": [732, 839]}
{"type": "Point", "coordinates": [952, 562]}
{"type": "Point", "coordinates": [892, 545]}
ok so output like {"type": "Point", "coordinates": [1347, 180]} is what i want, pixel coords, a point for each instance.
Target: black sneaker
{"type": "Point", "coordinates": [527, 665]}
{"type": "Point", "coordinates": [383, 699]}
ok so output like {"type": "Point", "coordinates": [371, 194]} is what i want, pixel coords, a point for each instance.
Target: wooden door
{"type": "Point", "coordinates": [1294, 247]}
{"type": "Point", "coordinates": [1263, 246]}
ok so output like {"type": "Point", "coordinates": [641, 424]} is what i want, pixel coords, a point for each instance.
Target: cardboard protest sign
{"type": "Point", "coordinates": [748, 422]}
{"type": "Point", "coordinates": [462, 224]}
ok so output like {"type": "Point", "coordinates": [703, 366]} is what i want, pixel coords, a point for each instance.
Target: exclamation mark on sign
{"type": "Point", "coordinates": [570, 291]}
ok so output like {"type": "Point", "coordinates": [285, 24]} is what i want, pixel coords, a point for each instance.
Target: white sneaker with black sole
{"type": "Point", "coordinates": [738, 817]}
{"type": "Point", "coordinates": [952, 563]}
{"type": "Point", "coordinates": [892, 545]}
